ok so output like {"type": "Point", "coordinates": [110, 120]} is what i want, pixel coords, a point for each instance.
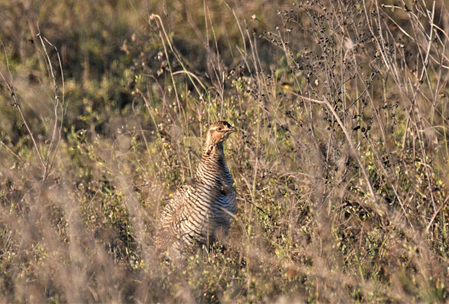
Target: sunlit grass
{"type": "Point", "coordinates": [330, 107]}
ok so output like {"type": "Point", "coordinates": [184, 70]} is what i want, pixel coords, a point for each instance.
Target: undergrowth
{"type": "Point", "coordinates": [339, 163]}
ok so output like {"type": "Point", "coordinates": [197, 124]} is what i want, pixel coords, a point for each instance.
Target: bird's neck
{"type": "Point", "coordinates": [213, 160]}
{"type": "Point", "coordinates": [212, 150]}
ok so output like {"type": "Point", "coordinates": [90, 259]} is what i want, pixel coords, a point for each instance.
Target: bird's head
{"type": "Point", "coordinates": [219, 132]}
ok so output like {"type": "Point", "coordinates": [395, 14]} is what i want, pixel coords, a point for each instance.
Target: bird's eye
{"type": "Point", "coordinates": [218, 129]}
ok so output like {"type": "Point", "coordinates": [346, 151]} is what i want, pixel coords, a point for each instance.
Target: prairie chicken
{"type": "Point", "coordinates": [200, 212]}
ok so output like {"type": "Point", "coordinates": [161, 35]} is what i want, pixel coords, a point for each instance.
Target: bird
{"type": "Point", "coordinates": [202, 211]}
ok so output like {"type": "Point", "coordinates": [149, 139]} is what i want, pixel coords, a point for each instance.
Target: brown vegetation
{"type": "Point", "coordinates": [339, 163]}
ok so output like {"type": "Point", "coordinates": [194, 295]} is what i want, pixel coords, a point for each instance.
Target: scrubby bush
{"type": "Point", "coordinates": [339, 162]}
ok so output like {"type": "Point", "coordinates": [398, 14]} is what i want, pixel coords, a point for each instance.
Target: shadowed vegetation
{"type": "Point", "coordinates": [339, 162]}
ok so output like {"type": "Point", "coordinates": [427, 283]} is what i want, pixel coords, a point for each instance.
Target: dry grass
{"type": "Point", "coordinates": [340, 161]}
